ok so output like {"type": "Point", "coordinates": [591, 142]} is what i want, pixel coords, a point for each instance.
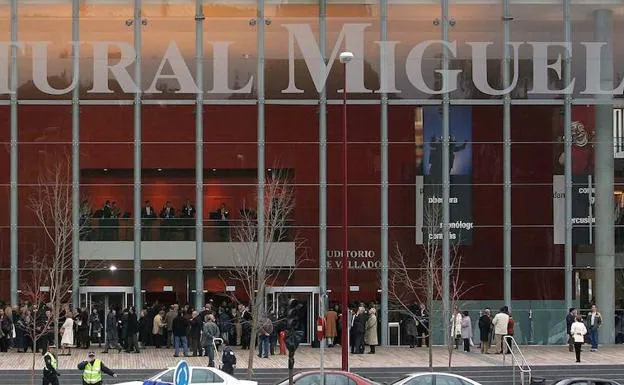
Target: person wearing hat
{"type": "Point", "coordinates": [92, 370]}
{"type": "Point", "coordinates": [50, 366]}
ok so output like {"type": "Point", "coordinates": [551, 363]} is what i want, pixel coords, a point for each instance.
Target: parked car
{"type": "Point", "coordinates": [434, 378]}
{"type": "Point", "coordinates": [332, 377]}
{"type": "Point", "coordinates": [585, 381]}
{"type": "Point", "coordinates": [200, 375]}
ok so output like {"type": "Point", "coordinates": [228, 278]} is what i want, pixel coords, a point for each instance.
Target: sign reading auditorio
{"type": "Point", "coordinates": [301, 36]}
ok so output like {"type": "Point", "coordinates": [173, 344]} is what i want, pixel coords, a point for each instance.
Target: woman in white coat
{"type": "Point", "coordinates": [67, 341]}
{"type": "Point", "coordinates": [456, 324]}
{"type": "Point", "coordinates": [466, 331]}
{"type": "Point", "coordinates": [578, 331]}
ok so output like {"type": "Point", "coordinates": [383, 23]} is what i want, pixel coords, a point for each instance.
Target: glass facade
{"type": "Point", "coordinates": [231, 90]}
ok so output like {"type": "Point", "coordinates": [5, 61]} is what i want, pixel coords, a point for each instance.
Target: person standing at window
{"type": "Point", "coordinates": [167, 214]}
{"type": "Point", "coordinates": [187, 215]}
{"type": "Point", "coordinates": [224, 218]}
{"type": "Point", "coordinates": [148, 215]}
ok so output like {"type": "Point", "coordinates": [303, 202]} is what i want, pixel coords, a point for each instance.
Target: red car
{"type": "Point", "coordinates": [332, 377]}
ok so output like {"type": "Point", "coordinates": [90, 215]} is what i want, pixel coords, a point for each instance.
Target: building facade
{"type": "Point", "coordinates": [493, 127]}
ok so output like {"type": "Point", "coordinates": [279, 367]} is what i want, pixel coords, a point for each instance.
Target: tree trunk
{"type": "Point", "coordinates": [34, 352]}
{"type": "Point", "coordinates": [32, 371]}
{"type": "Point", "coordinates": [252, 344]}
{"type": "Point", "coordinates": [430, 295]}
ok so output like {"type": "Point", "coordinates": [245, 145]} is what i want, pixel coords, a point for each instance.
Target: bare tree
{"type": "Point", "coordinates": [424, 283]}
{"type": "Point", "coordinates": [51, 203]}
{"type": "Point", "coordinates": [255, 269]}
{"type": "Point", "coordinates": [37, 327]}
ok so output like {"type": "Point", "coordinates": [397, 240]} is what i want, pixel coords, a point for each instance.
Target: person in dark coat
{"type": "Point", "coordinates": [195, 334]}
{"type": "Point", "coordinates": [359, 330]}
{"type": "Point", "coordinates": [82, 322]}
{"type": "Point", "coordinates": [570, 318]}
{"type": "Point", "coordinates": [422, 325]}
{"type": "Point", "coordinates": [145, 328]}
{"type": "Point", "coordinates": [123, 323]}
{"type": "Point", "coordinates": [485, 330]}
{"type": "Point", "coordinates": [132, 329]}
{"type": "Point", "coordinates": [246, 328]}
{"type": "Point", "coordinates": [409, 324]}
{"type": "Point", "coordinates": [112, 332]}
{"type": "Point", "coordinates": [180, 328]}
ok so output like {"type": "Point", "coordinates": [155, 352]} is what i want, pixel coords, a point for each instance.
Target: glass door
{"type": "Point", "coordinates": [306, 318]}
{"type": "Point", "coordinates": [103, 302]}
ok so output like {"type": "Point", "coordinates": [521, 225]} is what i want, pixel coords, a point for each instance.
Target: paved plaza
{"type": "Point", "coordinates": [309, 358]}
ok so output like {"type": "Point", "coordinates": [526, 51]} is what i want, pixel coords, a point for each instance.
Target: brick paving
{"type": "Point", "coordinates": [309, 358]}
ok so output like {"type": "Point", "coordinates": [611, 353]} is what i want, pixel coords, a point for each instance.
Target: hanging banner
{"type": "Point", "coordinates": [583, 218]}
{"type": "Point", "coordinates": [429, 200]}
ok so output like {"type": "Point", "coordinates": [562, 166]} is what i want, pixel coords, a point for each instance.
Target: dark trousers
{"type": "Point", "coordinates": [146, 230]}
{"type": "Point", "coordinates": [359, 343]}
{"type": "Point", "coordinates": [229, 369]}
{"type": "Point", "coordinates": [195, 342]}
{"type": "Point", "coordinates": [50, 379]}
{"type": "Point", "coordinates": [4, 344]}
{"type": "Point", "coordinates": [467, 345]}
{"type": "Point", "coordinates": [158, 340]}
{"type": "Point", "coordinates": [577, 350]}
{"type": "Point", "coordinates": [83, 338]}
{"type": "Point", "coordinates": [132, 344]}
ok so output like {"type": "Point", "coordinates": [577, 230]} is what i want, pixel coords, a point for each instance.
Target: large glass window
{"type": "Point", "coordinates": [45, 63]}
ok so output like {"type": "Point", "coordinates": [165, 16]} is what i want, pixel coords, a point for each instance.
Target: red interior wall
{"type": "Point", "coordinates": [291, 142]}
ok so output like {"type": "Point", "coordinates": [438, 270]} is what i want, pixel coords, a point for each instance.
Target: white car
{"type": "Point", "coordinates": [434, 378]}
{"type": "Point", "coordinates": [200, 375]}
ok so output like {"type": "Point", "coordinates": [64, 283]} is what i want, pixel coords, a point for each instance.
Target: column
{"type": "Point", "coordinates": [260, 127]}
{"type": "Point", "coordinates": [567, 121]}
{"type": "Point", "coordinates": [76, 225]}
{"type": "Point", "coordinates": [138, 24]}
{"type": "Point", "coordinates": [13, 172]}
{"type": "Point", "coordinates": [506, 160]}
{"type": "Point", "coordinates": [322, 180]}
{"type": "Point", "coordinates": [446, 182]}
{"type": "Point", "coordinates": [605, 245]}
{"type": "Point", "coordinates": [383, 6]}
{"type": "Point", "coordinates": [199, 155]}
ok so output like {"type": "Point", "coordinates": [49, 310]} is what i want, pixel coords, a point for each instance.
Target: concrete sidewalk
{"type": "Point", "coordinates": [309, 358]}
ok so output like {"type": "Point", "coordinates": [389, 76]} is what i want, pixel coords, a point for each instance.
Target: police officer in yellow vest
{"type": "Point", "coordinates": [50, 366]}
{"type": "Point", "coordinates": [92, 370]}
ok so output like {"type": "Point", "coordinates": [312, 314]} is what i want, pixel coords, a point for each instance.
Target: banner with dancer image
{"type": "Point", "coordinates": [429, 183]}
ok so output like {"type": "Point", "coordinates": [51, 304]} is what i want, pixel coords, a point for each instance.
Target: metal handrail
{"type": "Point", "coordinates": [517, 360]}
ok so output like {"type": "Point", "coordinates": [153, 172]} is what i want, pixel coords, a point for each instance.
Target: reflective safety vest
{"type": "Point", "coordinates": [53, 361]}
{"type": "Point", "coordinates": [92, 373]}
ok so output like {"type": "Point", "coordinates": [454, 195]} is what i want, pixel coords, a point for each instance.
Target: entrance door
{"type": "Point", "coordinates": [102, 299]}
{"type": "Point", "coordinates": [279, 297]}
{"type": "Point", "coordinates": [305, 299]}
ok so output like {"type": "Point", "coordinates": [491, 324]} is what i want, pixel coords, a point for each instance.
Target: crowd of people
{"type": "Point", "coordinates": [193, 331]}
{"type": "Point", "coordinates": [188, 331]}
